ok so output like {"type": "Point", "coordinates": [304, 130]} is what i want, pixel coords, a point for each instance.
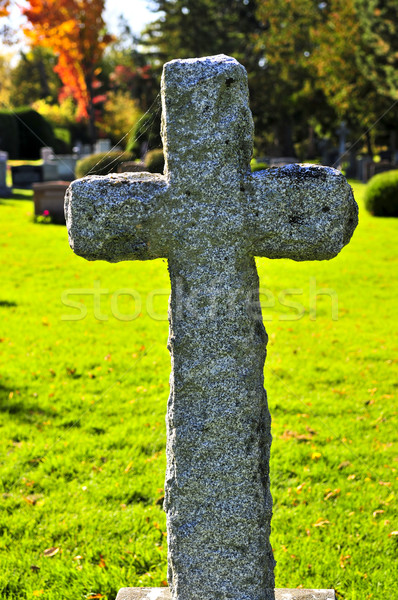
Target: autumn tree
{"type": "Point", "coordinates": [4, 4]}
{"type": "Point", "coordinates": [75, 31]}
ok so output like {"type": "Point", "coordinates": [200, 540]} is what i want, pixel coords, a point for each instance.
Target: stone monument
{"type": "Point", "coordinates": [210, 216]}
{"type": "Point", "coordinates": [5, 191]}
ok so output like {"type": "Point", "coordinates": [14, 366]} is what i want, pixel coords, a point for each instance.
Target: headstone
{"type": "Point", "coordinates": [24, 176]}
{"type": "Point", "coordinates": [66, 165]}
{"type": "Point", "coordinates": [363, 163]}
{"type": "Point", "coordinates": [49, 166]}
{"type": "Point", "coordinates": [342, 132]}
{"type": "Point", "coordinates": [49, 198]}
{"type": "Point", "coordinates": [209, 216]}
{"type": "Point", "coordinates": [104, 145]}
{"type": "Point", "coordinates": [46, 154]}
{"type": "Point", "coordinates": [374, 168]}
{"type": "Point", "coordinates": [5, 191]}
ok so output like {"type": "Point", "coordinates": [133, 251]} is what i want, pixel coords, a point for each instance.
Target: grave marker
{"type": "Point", "coordinates": [209, 216]}
{"type": "Point", "coordinates": [5, 191]}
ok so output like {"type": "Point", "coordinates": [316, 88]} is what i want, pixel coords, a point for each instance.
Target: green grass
{"type": "Point", "coordinates": [82, 405]}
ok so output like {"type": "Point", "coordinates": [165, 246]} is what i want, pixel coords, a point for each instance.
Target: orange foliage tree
{"type": "Point", "coordinates": [75, 31]}
{"type": "Point", "coordinates": [4, 8]}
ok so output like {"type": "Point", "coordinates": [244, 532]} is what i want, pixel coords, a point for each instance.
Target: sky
{"type": "Point", "coordinates": [136, 12]}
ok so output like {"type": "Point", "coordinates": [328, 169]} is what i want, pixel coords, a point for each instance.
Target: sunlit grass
{"type": "Point", "coordinates": [82, 407]}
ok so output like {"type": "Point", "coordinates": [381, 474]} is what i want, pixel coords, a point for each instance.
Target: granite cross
{"type": "Point", "coordinates": [210, 216]}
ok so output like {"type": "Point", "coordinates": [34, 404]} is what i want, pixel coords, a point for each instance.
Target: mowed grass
{"type": "Point", "coordinates": [83, 403]}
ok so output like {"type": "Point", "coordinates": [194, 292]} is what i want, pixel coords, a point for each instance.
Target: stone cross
{"type": "Point", "coordinates": [210, 216]}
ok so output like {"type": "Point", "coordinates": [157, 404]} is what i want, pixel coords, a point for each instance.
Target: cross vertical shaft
{"type": "Point", "coordinates": [218, 501]}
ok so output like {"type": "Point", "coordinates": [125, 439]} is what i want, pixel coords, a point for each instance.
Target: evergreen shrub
{"type": "Point", "coordinates": [381, 194]}
{"type": "Point", "coordinates": [154, 161]}
{"type": "Point", "coordinates": [101, 163]}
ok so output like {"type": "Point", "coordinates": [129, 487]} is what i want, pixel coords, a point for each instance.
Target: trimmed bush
{"type": "Point", "coordinates": [34, 133]}
{"type": "Point", "coordinates": [381, 194]}
{"type": "Point", "coordinates": [9, 134]}
{"type": "Point", "coordinates": [154, 161]}
{"type": "Point", "coordinates": [258, 166]}
{"type": "Point", "coordinates": [101, 163]}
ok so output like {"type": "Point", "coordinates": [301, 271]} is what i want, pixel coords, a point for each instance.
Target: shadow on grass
{"type": "Point", "coordinates": [7, 304]}
{"type": "Point", "coordinates": [14, 401]}
{"type": "Point", "coordinates": [21, 194]}
{"type": "Point", "coordinates": [18, 194]}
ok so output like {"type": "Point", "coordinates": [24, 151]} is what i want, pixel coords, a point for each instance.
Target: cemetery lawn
{"type": "Point", "coordinates": [83, 392]}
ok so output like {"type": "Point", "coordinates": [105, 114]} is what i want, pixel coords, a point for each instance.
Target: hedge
{"type": "Point", "coordinates": [34, 133]}
{"type": "Point", "coordinates": [9, 134]}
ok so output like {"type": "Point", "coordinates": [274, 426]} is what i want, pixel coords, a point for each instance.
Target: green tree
{"type": "Point", "coordinates": [351, 58]}
{"type": "Point", "coordinates": [377, 54]}
{"type": "Point", "coordinates": [33, 77]}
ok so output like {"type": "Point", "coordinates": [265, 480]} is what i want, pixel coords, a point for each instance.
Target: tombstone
{"type": "Point", "coordinates": [24, 176]}
{"type": "Point", "coordinates": [46, 154]}
{"type": "Point", "coordinates": [5, 191]}
{"type": "Point", "coordinates": [342, 132]}
{"type": "Point", "coordinates": [49, 196]}
{"type": "Point", "coordinates": [374, 168]}
{"type": "Point", "coordinates": [104, 145]}
{"type": "Point", "coordinates": [66, 165]}
{"type": "Point", "coordinates": [363, 163]}
{"type": "Point", "coordinates": [210, 216]}
{"type": "Point", "coordinates": [49, 167]}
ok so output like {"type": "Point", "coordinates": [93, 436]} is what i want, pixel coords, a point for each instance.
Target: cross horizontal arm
{"type": "Point", "coordinates": [117, 217]}
{"type": "Point", "coordinates": [302, 212]}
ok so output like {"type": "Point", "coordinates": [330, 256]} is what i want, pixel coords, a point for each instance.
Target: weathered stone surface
{"type": "Point", "coordinates": [280, 594]}
{"type": "Point", "coordinates": [210, 216]}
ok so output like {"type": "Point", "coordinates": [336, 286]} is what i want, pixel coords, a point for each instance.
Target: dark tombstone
{"type": "Point", "coordinates": [49, 199]}
{"type": "Point", "coordinates": [25, 176]}
{"type": "Point", "coordinates": [5, 191]}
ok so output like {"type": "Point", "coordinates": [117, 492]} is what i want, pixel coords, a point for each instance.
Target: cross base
{"type": "Point", "coordinates": [280, 594]}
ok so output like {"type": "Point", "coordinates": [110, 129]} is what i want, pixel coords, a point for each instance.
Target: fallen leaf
{"type": "Point", "coordinates": [38, 592]}
{"type": "Point", "coordinates": [377, 512]}
{"type": "Point", "coordinates": [51, 552]}
{"type": "Point", "coordinates": [344, 464]}
{"type": "Point", "coordinates": [393, 533]}
{"type": "Point", "coordinates": [102, 562]}
{"type": "Point", "coordinates": [332, 494]}
{"type": "Point", "coordinates": [321, 523]}
{"type": "Point", "coordinates": [344, 559]}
